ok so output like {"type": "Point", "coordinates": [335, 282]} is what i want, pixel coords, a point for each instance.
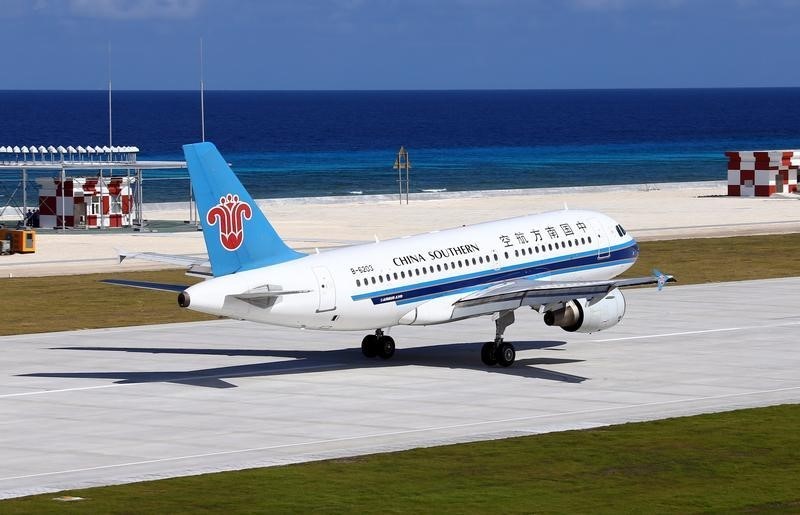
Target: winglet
{"type": "Point", "coordinates": [662, 278]}
{"type": "Point", "coordinates": [121, 254]}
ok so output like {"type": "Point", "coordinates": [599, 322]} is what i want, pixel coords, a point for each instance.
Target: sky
{"type": "Point", "coordinates": [399, 44]}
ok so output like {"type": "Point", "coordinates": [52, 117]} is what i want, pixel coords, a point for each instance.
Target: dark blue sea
{"type": "Point", "coordinates": [311, 143]}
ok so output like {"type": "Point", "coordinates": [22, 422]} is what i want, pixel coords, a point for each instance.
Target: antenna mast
{"type": "Point", "coordinates": [110, 139]}
{"type": "Point", "coordinates": [202, 97]}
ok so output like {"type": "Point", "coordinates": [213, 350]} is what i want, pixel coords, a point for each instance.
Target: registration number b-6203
{"type": "Point", "coordinates": [361, 269]}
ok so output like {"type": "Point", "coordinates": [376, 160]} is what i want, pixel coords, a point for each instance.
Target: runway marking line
{"type": "Point", "coordinates": [702, 331]}
{"type": "Point", "coordinates": [398, 433]}
{"type": "Point", "coordinates": [176, 379]}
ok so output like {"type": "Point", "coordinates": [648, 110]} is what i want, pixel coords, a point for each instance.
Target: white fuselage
{"type": "Point", "coordinates": [416, 279]}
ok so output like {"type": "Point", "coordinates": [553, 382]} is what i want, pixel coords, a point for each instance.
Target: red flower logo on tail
{"type": "Point", "coordinates": [230, 213]}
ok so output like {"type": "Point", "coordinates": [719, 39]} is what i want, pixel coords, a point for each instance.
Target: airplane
{"type": "Point", "coordinates": [561, 264]}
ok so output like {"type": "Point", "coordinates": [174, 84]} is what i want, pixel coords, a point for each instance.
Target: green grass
{"type": "Point", "coordinates": [45, 304]}
{"type": "Point", "coordinates": [720, 259]}
{"type": "Point", "coordinates": [743, 461]}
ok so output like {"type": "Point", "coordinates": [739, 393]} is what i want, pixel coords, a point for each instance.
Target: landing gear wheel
{"type": "Point", "coordinates": [505, 354]}
{"type": "Point", "coordinates": [385, 347]}
{"type": "Point", "coordinates": [488, 354]}
{"type": "Point", "coordinates": [369, 346]}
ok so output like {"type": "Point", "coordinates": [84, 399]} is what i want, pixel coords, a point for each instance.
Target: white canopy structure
{"type": "Point", "coordinates": [113, 161]}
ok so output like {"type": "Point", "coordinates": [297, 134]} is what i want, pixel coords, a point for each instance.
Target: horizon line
{"type": "Point", "coordinates": [687, 88]}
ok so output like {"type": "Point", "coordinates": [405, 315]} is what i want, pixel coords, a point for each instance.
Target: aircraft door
{"type": "Point", "coordinates": [326, 288]}
{"type": "Point", "coordinates": [604, 242]}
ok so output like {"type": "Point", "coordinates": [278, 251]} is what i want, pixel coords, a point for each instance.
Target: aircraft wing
{"type": "Point", "coordinates": [541, 294]}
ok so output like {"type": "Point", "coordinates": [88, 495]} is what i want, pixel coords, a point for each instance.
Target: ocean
{"type": "Point", "coordinates": [326, 143]}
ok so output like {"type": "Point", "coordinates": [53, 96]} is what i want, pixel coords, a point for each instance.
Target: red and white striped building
{"type": "Point", "coordinates": [87, 202]}
{"type": "Point", "coordinates": [762, 173]}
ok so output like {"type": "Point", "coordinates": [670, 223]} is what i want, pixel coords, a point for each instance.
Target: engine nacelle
{"type": "Point", "coordinates": [577, 316]}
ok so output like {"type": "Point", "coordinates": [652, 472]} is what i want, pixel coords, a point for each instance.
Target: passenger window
{"type": "Point", "coordinates": [358, 282]}
{"type": "Point", "coordinates": [402, 274]}
{"type": "Point", "coordinates": [496, 258]}
{"type": "Point", "coordinates": [516, 253]}
{"type": "Point", "coordinates": [506, 253]}
{"type": "Point", "coordinates": [480, 259]}
{"type": "Point", "coordinates": [590, 239]}
{"type": "Point", "coordinates": [569, 242]}
{"type": "Point", "coordinates": [445, 266]}
{"type": "Point", "coordinates": [438, 268]}
{"type": "Point", "coordinates": [380, 278]}
{"type": "Point", "coordinates": [550, 246]}
{"type": "Point", "coordinates": [583, 241]}
{"type": "Point", "coordinates": [474, 261]}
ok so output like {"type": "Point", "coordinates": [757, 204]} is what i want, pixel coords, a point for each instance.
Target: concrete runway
{"type": "Point", "coordinates": [100, 407]}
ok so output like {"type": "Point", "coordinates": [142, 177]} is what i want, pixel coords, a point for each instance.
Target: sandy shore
{"type": "Point", "coordinates": [660, 211]}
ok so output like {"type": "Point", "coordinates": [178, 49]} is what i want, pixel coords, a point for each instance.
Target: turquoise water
{"type": "Point", "coordinates": [289, 144]}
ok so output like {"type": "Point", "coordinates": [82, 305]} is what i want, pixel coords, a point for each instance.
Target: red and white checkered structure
{"type": "Point", "coordinates": [87, 201]}
{"type": "Point", "coordinates": [762, 173]}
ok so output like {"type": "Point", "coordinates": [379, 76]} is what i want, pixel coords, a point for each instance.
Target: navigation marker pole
{"type": "Point", "coordinates": [402, 163]}
{"type": "Point", "coordinates": [110, 143]}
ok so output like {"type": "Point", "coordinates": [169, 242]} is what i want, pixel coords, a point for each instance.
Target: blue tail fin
{"type": "Point", "coordinates": [238, 235]}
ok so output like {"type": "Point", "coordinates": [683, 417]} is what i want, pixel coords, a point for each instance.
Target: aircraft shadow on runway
{"type": "Point", "coordinates": [452, 356]}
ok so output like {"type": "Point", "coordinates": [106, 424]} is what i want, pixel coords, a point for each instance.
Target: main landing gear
{"type": "Point", "coordinates": [499, 352]}
{"type": "Point", "coordinates": [377, 344]}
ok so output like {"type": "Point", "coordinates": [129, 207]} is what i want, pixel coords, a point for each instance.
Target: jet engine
{"type": "Point", "coordinates": [578, 316]}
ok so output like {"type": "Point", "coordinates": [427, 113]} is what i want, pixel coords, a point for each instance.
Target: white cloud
{"type": "Point", "coordinates": [136, 9]}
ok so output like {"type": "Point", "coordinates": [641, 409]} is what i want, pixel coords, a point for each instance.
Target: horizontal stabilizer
{"type": "Point", "coordinates": [177, 288]}
{"type": "Point", "coordinates": [172, 259]}
{"type": "Point", "coordinates": [265, 296]}
{"type": "Point", "coordinates": [268, 290]}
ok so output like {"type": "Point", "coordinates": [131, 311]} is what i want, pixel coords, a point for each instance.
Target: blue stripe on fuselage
{"type": "Point", "coordinates": [619, 254]}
